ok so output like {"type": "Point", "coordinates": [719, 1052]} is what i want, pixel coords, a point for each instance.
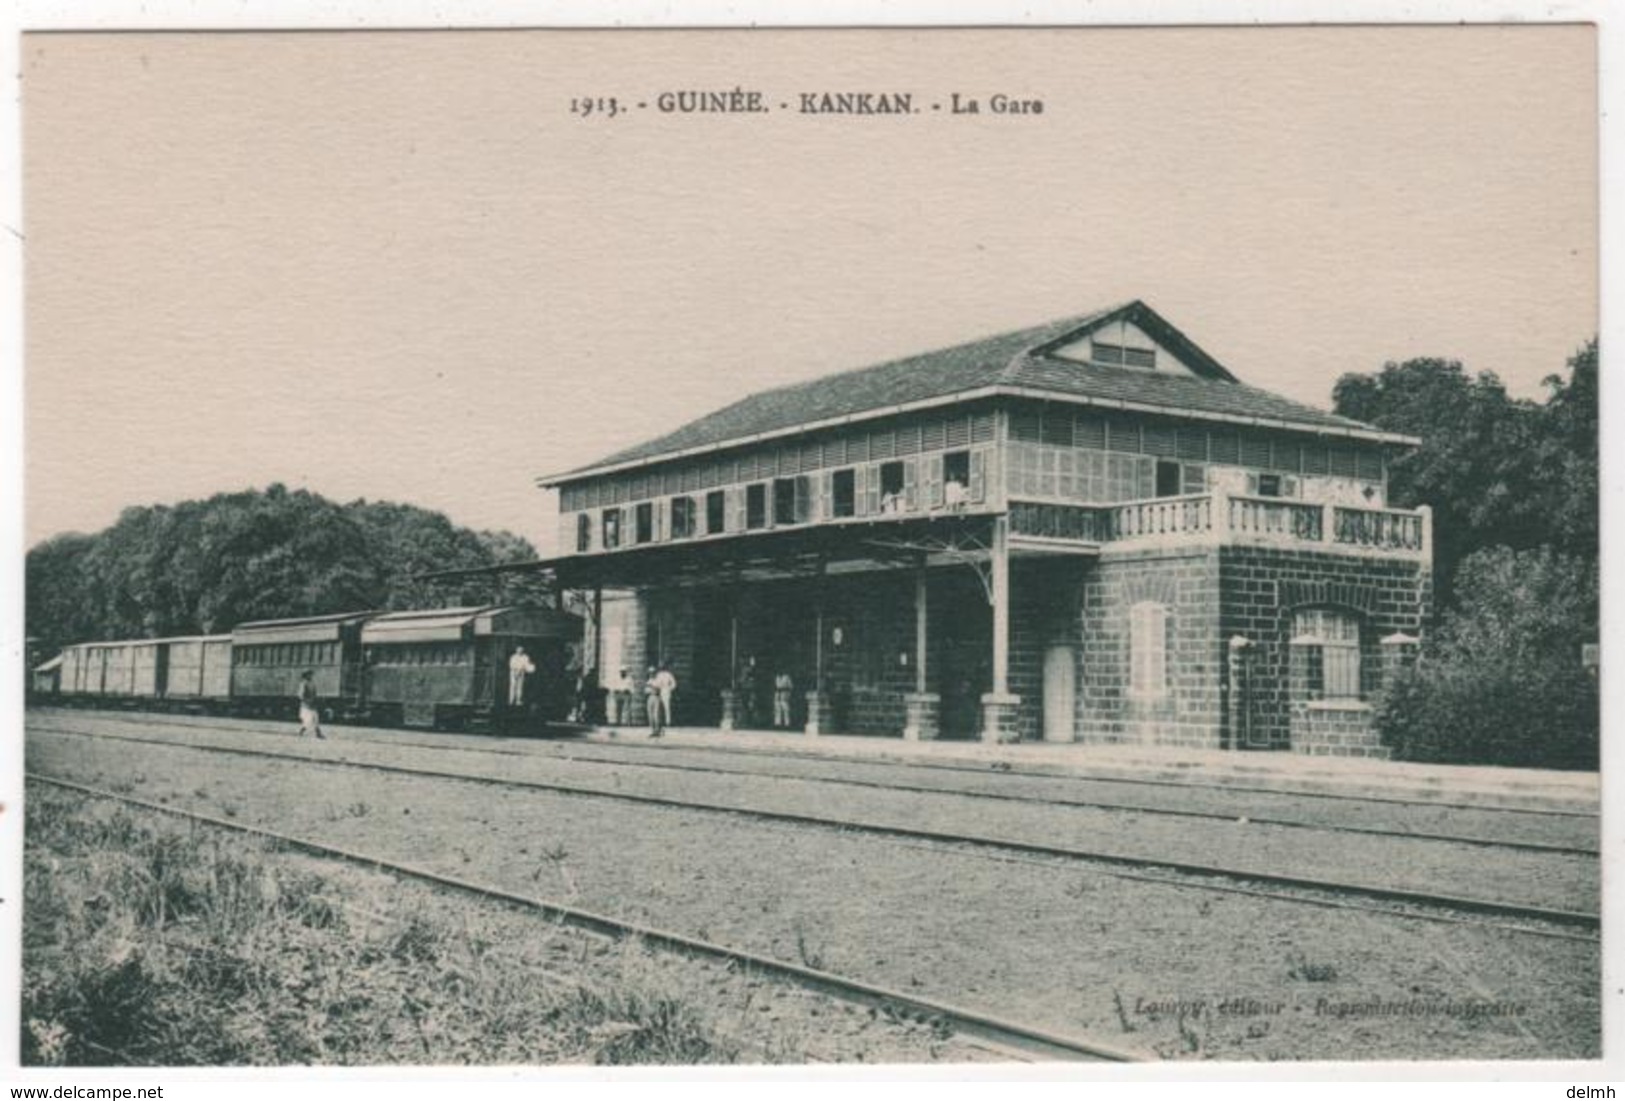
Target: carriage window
{"type": "Point", "coordinates": [583, 533]}
{"type": "Point", "coordinates": [645, 522]}
{"type": "Point", "coordinates": [715, 511]}
{"type": "Point", "coordinates": [756, 505]}
{"type": "Point", "coordinates": [682, 517]}
{"type": "Point", "coordinates": [844, 497]}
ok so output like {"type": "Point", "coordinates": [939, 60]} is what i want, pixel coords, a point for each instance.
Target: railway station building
{"type": "Point", "coordinates": [1086, 531]}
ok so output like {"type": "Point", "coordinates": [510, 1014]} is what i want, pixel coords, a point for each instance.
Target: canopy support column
{"type": "Point", "coordinates": [999, 707]}
{"type": "Point", "coordinates": [922, 709]}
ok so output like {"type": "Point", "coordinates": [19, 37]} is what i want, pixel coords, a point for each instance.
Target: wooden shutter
{"type": "Point", "coordinates": [978, 475]}
{"type": "Point", "coordinates": [932, 470]}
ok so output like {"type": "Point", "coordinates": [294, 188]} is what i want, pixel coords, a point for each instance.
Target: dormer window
{"type": "Point", "coordinates": [1119, 355]}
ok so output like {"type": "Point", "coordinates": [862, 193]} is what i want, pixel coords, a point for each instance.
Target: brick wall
{"type": "Point", "coordinates": [1262, 587]}
{"type": "Point", "coordinates": [1189, 711]}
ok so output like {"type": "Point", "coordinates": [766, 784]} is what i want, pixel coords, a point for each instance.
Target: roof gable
{"type": "Point", "coordinates": [1039, 361]}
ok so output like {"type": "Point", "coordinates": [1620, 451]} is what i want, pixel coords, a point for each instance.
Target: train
{"type": "Point", "coordinates": [440, 668]}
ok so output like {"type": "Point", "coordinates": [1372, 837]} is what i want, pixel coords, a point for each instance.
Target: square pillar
{"type": "Point", "coordinates": [1000, 711]}
{"type": "Point", "coordinates": [923, 721]}
{"type": "Point", "coordinates": [820, 715]}
{"type": "Point", "coordinates": [730, 717]}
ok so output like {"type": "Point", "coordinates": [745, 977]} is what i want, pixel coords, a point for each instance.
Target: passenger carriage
{"type": "Point", "coordinates": [448, 667]}
{"type": "Point", "coordinates": [268, 657]}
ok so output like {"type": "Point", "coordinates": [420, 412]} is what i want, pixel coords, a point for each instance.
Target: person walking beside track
{"type": "Point", "coordinates": [310, 719]}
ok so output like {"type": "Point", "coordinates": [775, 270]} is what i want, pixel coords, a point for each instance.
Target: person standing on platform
{"type": "Point", "coordinates": [519, 668]}
{"type": "Point", "coordinates": [783, 687]}
{"type": "Point", "coordinates": [667, 684]}
{"type": "Point", "coordinates": [745, 694]}
{"type": "Point", "coordinates": [620, 687]}
{"type": "Point", "coordinates": [310, 718]}
{"type": "Point", "coordinates": [651, 704]}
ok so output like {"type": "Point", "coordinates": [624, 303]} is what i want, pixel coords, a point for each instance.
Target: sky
{"type": "Point", "coordinates": [396, 266]}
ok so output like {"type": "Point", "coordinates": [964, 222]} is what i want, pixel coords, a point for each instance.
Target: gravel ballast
{"type": "Point", "coordinates": [1184, 972]}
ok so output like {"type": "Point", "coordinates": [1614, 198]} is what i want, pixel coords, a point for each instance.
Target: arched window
{"type": "Point", "coordinates": [1148, 651]}
{"type": "Point", "coordinates": [1331, 641]}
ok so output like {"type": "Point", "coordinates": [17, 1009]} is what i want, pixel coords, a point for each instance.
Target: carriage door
{"type": "Point", "coordinates": [1060, 693]}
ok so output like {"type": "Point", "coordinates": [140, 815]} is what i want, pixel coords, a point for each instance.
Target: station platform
{"type": "Point", "coordinates": [1533, 789]}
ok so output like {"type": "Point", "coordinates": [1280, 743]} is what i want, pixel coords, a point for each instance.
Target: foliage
{"type": "Point", "coordinates": [1514, 489]}
{"type": "Point", "coordinates": [205, 566]}
{"type": "Point", "coordinates": [1503, 682]}
{"type": "Point", "coordinates": [145, 943]}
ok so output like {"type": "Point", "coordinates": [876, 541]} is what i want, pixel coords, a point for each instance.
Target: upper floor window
{"type": "Point", "coordinates": [612, 528]}
{"type": "Point", "coordinates": [843, 493]}
{"type": "Point", "coordinates": [955, 478]}
{"type": "Point", "coordinates": [1174, 479]}
{"type": "Point", "coordinates": [1148, 651]}
{"type": "Point", "coordinates": [792, 500]}
{"type": "Point", "coordinates": [784, 501]}
{"type": "Point", "coordinates": [645, 522]}
{"type": "Point", "coordinates": [1331, 639]}
{"type": "Point", "coordinates": [716, 508]}
{"type": "Point", "coordinates": [891, 487]}
{"type": "Point", "coordinates": [756, 506]}
{"type": "Point", "coordinates": [1269, 485]}
{"type": "Point", "coordinates": [583, 533]}
{"type": "Point", "coordinates": [682, 517]}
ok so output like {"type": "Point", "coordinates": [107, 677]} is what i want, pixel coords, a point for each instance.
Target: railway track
{"type": "Point", "coordinates": [996, 1033]}
{"type": "Point", "coordinates": [1009, 797]}
{"type": "Point", "coordinates": [1334, 894]}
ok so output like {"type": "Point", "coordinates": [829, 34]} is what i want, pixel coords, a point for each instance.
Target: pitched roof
{"type": "Point", "coordinates": [1017, 362]}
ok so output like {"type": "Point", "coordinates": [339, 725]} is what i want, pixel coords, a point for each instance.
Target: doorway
{"type": "Point", "coordinates": [1060, 693]}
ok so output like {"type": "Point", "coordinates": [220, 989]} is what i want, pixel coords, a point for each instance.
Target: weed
{"type": "Point", "coordinates": [811, 955]}
{"type": "Point", "coordinates": [1122, 1011]}
{"type": "Point", "coordinates": [1299, 967]}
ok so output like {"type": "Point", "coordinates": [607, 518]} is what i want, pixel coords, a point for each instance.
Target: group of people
{"type": "Point", "coordinates": [784, 690]}
{"type": "Point", "coordinates": [658, 687]}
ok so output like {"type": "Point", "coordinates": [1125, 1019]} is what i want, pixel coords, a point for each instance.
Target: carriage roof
{"type": "Point", "coordinates": [462, 624]}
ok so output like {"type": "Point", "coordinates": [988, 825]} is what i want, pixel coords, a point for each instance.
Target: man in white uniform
{"type": "Point", "coordinates": [519, 667]}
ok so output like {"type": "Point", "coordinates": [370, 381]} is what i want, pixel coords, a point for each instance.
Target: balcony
{"type": "Point", "coordinates": [1227, 519]}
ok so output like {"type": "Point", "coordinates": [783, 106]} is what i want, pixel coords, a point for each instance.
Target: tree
{"type": "Point", "coordinates": [205, 566]}
{"type": "Point", "coordinates": [1503, 681]}
{"type": "Point", "coordinates": [1497, 471]}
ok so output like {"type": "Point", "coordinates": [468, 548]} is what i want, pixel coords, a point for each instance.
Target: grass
{"type": "Point", "coordinates": [148, 942]}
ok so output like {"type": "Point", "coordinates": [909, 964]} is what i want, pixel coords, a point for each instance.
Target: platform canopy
{"type": "Point", "coordinates": [799, 551]}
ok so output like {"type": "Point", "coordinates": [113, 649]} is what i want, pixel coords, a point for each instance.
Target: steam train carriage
{"type": "Point", "coordinates": [268, 656]}
{"type": "Point", "coordinates": [445, 667]}
{"type": "Point", "coordinates": [450, 666]}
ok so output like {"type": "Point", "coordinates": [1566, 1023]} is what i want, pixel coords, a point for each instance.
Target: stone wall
{"type": "Point", "coordinates": [1188, 710]}
{"type": "Point", "coordinates": [1261, 589]}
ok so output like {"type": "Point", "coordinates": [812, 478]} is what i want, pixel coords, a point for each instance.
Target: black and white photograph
{"type": "Point", "coordinates": [677, 546]}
